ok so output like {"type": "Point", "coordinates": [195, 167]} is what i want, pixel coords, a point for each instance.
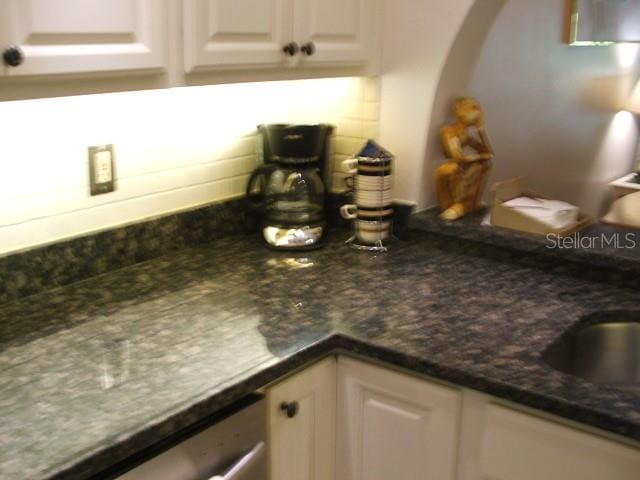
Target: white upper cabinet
{"type": "Point", "coordinates": [75, 36]}
{"type": "Point", "coordinates": [223, 34]}
{"type": "Point", "coordinates": [235, 33]}
{"type": "Point", "coordinates": [232, 40]}
{"type": "Point", "coordinates": [334, 31]}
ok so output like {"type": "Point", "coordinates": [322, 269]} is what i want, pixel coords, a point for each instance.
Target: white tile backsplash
{"type": "Point", "coordinates": [357, 122]}
{"type": "Point", "coordinates": [347, 145]}
{"type": "Point", "coordinates": [371, 89]}
{"type": "Point", "coordinates": [174, 149]}
{"type": "Point", "coordinates": [370, 129]}
{"type": "Point", "coordinates": [371, 111]}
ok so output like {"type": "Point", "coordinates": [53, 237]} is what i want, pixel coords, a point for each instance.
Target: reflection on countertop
{"type": "Point", "coordinates": [92, 372]}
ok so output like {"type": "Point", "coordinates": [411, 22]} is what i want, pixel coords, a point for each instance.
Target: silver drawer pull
{"type": "Point", "coordinates": [244, 463]}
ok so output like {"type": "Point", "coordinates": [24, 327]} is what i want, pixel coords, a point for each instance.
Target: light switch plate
{"type": "Point", "coordinates": [101, 169]}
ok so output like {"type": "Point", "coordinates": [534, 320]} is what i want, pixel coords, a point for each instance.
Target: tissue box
{"type": "Point", "coordinates": [506, 217]}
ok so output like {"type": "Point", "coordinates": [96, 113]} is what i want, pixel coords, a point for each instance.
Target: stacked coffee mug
{"type": "Point", "coordinates": [372, 212]}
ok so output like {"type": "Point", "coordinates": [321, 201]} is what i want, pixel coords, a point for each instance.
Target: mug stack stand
{"type": "Point", "coordinates": [371, 214]}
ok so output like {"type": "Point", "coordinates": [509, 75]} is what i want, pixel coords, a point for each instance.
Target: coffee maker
{"type": "Point", "coordinates": [288, 191]}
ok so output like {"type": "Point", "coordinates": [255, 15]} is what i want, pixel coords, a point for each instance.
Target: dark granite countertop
{"type": "Point", "coordinates": [599, 245]}
{"type": "Point", "coordinates": [92, 372]}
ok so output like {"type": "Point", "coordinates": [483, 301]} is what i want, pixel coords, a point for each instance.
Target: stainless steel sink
{"type": "Point", "coordinates": [605, 352]}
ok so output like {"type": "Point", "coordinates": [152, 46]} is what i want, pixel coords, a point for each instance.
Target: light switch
{"type": "Point", "coordinates": [101, 172]}
{"type": "Point", "coordinates": [103, 166]}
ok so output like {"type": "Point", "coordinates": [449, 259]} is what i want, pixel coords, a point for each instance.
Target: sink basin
{"type": "Point", "coordinates": [607, 351]}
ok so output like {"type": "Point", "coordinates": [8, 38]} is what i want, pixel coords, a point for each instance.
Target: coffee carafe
{"type": "Point", "coordinates": [288, 191]}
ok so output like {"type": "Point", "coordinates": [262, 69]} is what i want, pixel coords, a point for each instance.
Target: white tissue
{"type": "Point", "coordinates": [553, 213]}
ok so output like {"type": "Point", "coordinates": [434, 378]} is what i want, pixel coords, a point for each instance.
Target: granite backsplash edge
{"type": "Point", "coordinates": [42, 268]}
{"type": "Point", "coordinates": [612, 264]}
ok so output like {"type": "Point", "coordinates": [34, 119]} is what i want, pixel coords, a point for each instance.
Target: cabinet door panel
{"type": "Point", "coordinates": [391, 425]}
{"type": "Point", "coordinates": [387, 423]}
{"type": "Point", "coordinates": [302, 447]}
{"type": "Point", "coordinates": [70, 36]}
{"type": "Point", "coordinates": [516, 446]}
{"type": "Point", "coordinates": [341, 30]}
{"type": "Point", "coordinates": [233, 33]}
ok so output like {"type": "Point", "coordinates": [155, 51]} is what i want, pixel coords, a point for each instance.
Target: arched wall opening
{"type": "Point", "coordinates": [552, 110]}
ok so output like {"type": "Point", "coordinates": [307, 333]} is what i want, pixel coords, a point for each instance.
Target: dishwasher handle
{"type": "Point", "coordinates": [243, 464]}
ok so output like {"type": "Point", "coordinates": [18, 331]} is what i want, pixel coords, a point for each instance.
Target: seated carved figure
{"type": "Point", "coordinates": [460, 181]}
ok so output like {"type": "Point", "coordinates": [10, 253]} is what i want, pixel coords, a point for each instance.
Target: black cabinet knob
{"type": "Point", "coordinates": [290, 408]}
{"type": "Point", "coordinates": [13, 56]}
{"type": "Point", "coordinates": [308, 49]}
{"type": "Point", "coordinates": [291, 49]}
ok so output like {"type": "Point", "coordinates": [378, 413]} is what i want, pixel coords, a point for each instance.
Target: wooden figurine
{"type": "Point", "coordinates": [460, 181]}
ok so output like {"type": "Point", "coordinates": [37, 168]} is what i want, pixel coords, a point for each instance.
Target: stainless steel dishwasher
{"type": "Point", "coordinates": [231, 448]}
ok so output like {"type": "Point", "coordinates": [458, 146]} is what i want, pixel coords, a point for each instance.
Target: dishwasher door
{"type": "Point", "coordinates": [231, 449]}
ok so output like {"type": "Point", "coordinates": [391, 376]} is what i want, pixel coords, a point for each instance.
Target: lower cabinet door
{"type": "Point", "coordinates": [394, 426]}
{"type": "Point", "coordinates": [503, 444]}
{"type": "Point", "coordinates": [301, 424]}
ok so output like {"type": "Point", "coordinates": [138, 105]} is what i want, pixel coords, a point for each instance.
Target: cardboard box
{"type": "Point", "coordinates": [505, 217]}
{"type": "Point", "coordinates": [624, 186]}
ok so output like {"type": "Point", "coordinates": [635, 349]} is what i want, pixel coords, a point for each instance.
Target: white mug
{"type": "Point", "coordinates": [374, 203]}
{"type": "Point", "coordinates": [386, 193]}
{"type": "Point", "coordinates": [372, 232]}
{"type": "Point", "coordinates": [351, 211]}
{"type": "Point", "coordinates": [373, 199]}
{"type": "Point", "coordinates": [375, 182]}
{"type": "Point", "coordinates": [350, 165]}
{"type": "Point", "coordinates": [348, 211]}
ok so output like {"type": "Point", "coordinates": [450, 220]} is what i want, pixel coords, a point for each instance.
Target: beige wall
{"type": "Point", "coordinates": [454, 81]}
{"type": "Point", "coordinates": [175, 149]}
{"type": "Point", "coordinates": [418, 35]}
{"type": "Point", "coordinates": [552, 110]}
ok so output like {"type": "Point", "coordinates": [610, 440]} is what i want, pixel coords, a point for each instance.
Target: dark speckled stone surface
{"type": "Point", "coordinates": [608, 251]}
{"type": "Point", "coordinates": [93, 372]}
{"type": "Point", "coordinates": [42, 268]}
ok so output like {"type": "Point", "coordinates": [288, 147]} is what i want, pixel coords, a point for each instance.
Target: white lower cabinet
{"type": "Point", "coordinates": [394, 426]}
{"type": "Point", "coordinates": [499, 443]}
{"type": "Point", "coordinates": [301, 419]}
{"type": "Point", "coordinates": [357, 421]}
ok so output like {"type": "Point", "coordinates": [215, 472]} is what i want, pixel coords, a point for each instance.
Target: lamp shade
{"type": "Point", "coordinates": [634, 103]}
